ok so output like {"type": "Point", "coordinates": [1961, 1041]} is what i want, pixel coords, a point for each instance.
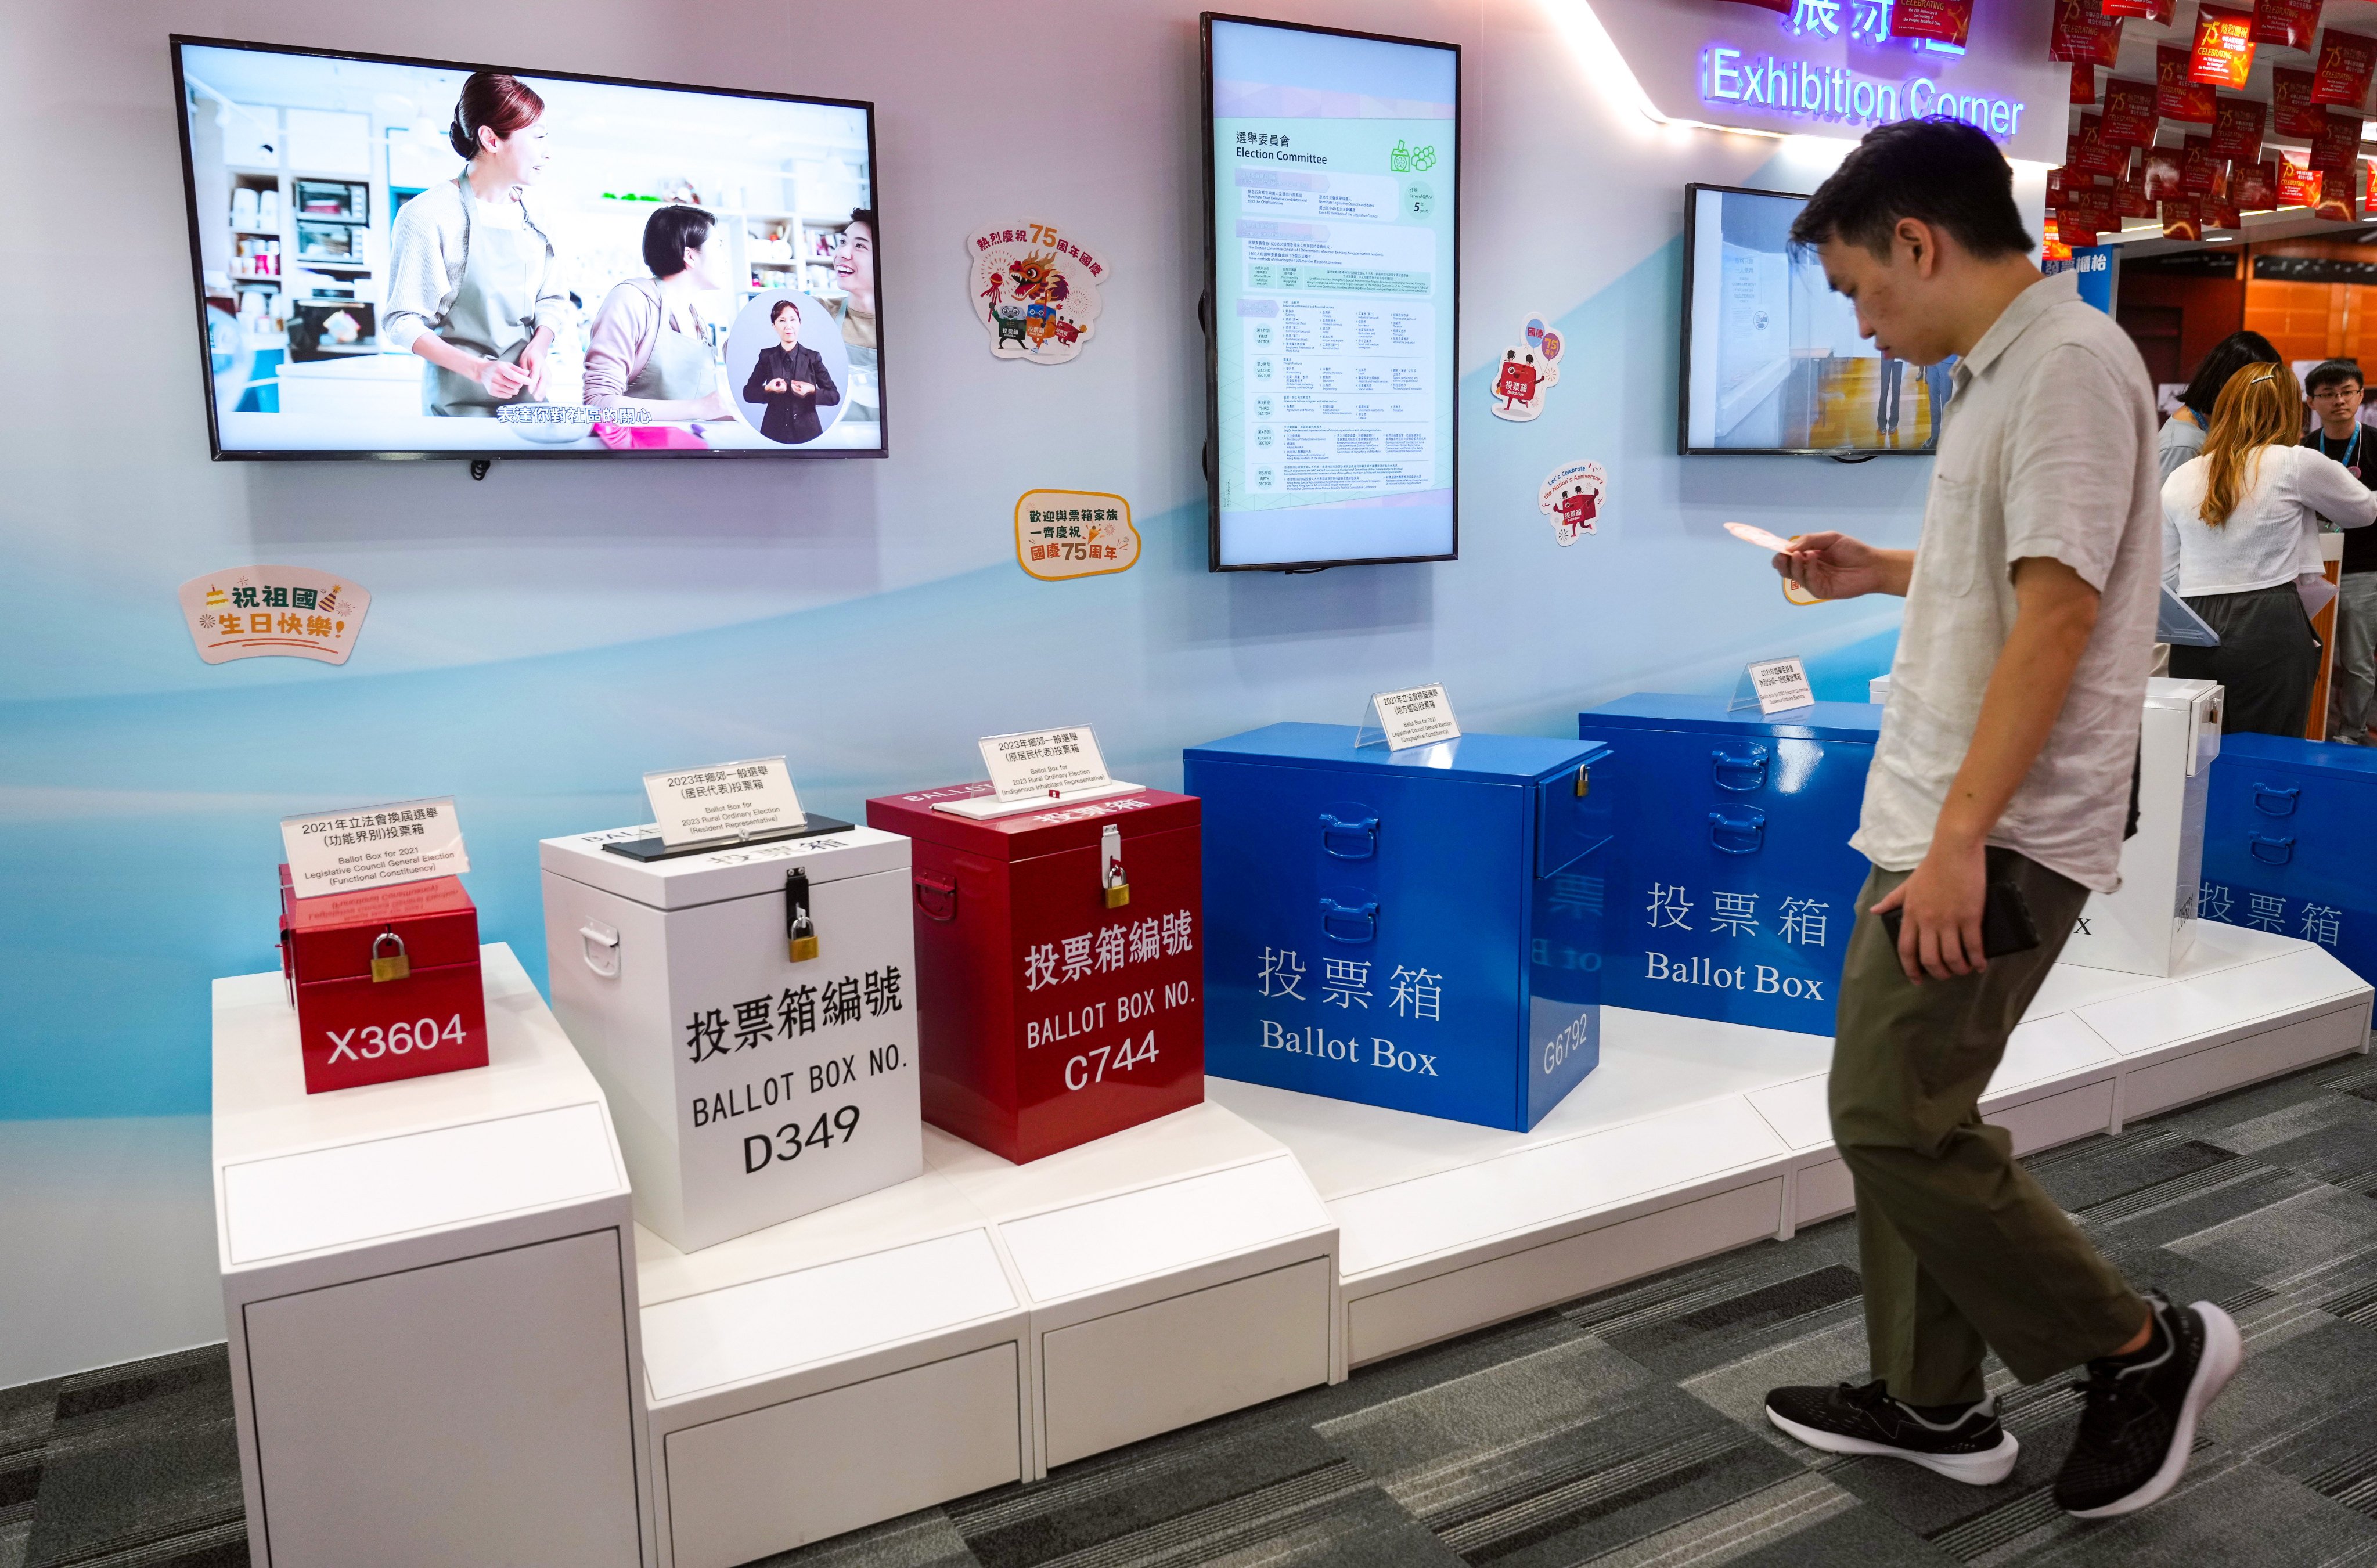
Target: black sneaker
{"type": "Point", "coordinates": [1962, 1443]}
{"type": "Point", "coordinates": [2140, 1419]}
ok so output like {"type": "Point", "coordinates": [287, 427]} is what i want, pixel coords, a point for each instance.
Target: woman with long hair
{"type": "Point", "coordinates": [474, 284]}
{"type": "Point", "coordinates": [2182, 434]}
{"type": "Point", "coordinates": [2240, 545]}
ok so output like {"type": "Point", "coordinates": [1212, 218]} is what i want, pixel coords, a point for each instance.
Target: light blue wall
{"type": "Point", "coordinates": [538, 641]}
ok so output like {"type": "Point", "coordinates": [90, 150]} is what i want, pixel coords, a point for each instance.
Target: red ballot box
{"type": "Point", "coordinates": [1060, 990]}
{"type": "Point", "coordinates": [386, 983]}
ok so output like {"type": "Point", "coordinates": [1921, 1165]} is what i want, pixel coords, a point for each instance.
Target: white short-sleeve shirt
{"type": "Point", "coordinates": [2047, 450]}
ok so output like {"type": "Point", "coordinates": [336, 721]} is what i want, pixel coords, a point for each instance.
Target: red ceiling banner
{"type": "Point", "coordinates": [2337, 193]}
{"type": "Point", "coordinates": [2290, 24]}
{"type": "Point", "coordinates": [2298, 185]}
{"type": "Point", "coordinates": [2053, 247]}
{"type": "Point", "coordinates": [2224, 47]}
{"type": "Point", "coordinates": [2181, 220]}
{"type": "Point", "coordinates": [2084, 34]}
{"type": "Point", "coordinates": [2292, 112]}
{"type": "Point", "coordinates": [2129, 113]}
{"type": "Point", "coordinates": [2342, 74]}
{"type": "Point", "coordinates": [2336, 147]}
{"type": "Point", "coordinates": [2090, 153]}
{"type": "Point", "coordinates": [2162, 170]}
{"type": "Point", "coordinates": [2236, 128]}
{"type": "Point", "coordinates": [2084, 82]}
{"type": "Point", "coordinates": [2255, 186]}
{"type": "Point", "coordinates": [2176, 97]}
{"type": "Point", "coordinates": [2198, 170]}
{"type": "Point", "coordinates": [1945, 20]}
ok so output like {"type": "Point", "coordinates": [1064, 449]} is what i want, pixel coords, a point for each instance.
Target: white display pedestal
{"type": "Point", "coordinates": [1693, 1137]}
{"type": "Point", "coordinates": [426, 1286]}
{"type": "Point", "coordinates": [976, 1326]}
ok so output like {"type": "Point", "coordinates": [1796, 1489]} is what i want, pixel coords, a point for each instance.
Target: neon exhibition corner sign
{"type": "Point", "coordinates": [1833, 68]}
{"type": "Point", "coordinates": [1735, 78]}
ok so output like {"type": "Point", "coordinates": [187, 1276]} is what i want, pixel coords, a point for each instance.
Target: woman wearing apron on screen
{"type": "Point", "coordinates": [475, 287]}
{"type": "Point", "coordinates": [648, 348]}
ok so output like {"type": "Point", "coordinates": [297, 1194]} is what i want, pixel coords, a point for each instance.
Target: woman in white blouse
{"type": "Point", "coordinates": [2240, 544]}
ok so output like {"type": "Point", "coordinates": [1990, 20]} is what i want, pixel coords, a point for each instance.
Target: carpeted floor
{"type": "Point", "coordinates": [1622, 1429]}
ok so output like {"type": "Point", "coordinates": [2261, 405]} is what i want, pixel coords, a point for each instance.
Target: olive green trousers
{"type": "Point", "coordinates": [1962, 1251]}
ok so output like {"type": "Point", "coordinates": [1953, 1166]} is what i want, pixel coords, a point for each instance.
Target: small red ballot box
{"type": "Point", "coordinates": [1060, 981]}
{"type": "Point", "coordinates": [386, 983]}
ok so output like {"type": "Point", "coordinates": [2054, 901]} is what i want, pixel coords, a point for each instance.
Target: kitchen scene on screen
{"type": "Point", "coordinates": [615, 266]}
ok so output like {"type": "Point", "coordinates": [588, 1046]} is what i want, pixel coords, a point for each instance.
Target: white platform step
{"type": "Point", "coordinates": [976, 1326]}
{"type": "Point", "coordinates": [1694, 1137]}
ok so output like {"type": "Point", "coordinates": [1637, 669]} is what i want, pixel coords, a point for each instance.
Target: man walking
{"type": "Point", "coordinates": [2335, 392]}
{"type": "Point", "coordinates": [2000, 787]}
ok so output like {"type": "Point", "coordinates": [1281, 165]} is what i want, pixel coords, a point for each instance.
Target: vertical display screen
{"type": "Point", "coordinates": [1332, 184]}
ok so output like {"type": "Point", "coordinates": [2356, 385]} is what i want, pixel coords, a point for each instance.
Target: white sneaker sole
{"type": "Point", "coordinates": [1986, 1468]}
{"type": "Point", "coordinates": [2224, 1351]}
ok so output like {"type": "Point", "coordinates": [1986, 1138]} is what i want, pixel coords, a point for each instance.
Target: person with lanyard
{"type": "Point", "coordinates": [2334, 389]}
{"type": "Point", "coordinates": [475, 285]}
{"type": "Point", "coordinates": [2182, 434]}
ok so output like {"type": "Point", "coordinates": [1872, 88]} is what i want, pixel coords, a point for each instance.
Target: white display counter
{"type": "Point", "coordinates": [428, 1289]}
{"type": "Point", "coordinates": [986, 1322]}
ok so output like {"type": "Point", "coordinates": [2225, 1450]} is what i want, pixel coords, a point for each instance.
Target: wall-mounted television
{"type": "Point", "coordinates": [1332, 205]}
{"type": "Point", "coordinates": [1771, 360]}
{"type": "Point", "coordinates": [418, 258]}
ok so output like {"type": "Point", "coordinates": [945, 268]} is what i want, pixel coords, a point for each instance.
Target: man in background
{"type": "Point", "coordinates": [2335, 392]}
{"type": "Point", "coordinates": [1997, 801]}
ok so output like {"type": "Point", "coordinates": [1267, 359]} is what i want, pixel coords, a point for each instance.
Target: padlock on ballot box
{"type": "Point", "coordinates": [1058, 964]}
{"type": "Point", "coordinates": [386, 982]}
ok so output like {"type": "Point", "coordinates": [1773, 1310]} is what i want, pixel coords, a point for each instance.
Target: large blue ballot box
{"type": "Point", "coordinates": [1732, 887]}
{"type": "Point", "coordinates": [2290, 843]}
{"type": "Point", "coordinates": [1416, 928]}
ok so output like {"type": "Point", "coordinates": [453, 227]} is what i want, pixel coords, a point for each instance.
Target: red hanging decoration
{"type": "Point", "coordinates": [2223, 56]}
{"type": "Point", "coordinates": [2176, 96]}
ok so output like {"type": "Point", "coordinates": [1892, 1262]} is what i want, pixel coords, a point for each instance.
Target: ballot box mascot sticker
{"type": "Point", "coordinates": [1036, 289]}
{"type": "Point", "coordinates": [262, 611]}
{"type": "Point", "coordinates": [1528, 369]}
{"type": "Point", "coordinates": [1572, 498]}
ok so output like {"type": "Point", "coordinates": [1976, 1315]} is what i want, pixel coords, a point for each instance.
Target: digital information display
{"type": "Point", "coordinates": [1332, 250]}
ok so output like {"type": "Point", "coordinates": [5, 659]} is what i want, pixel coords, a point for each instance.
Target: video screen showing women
{"type": "Point", "coordinates": [416, 259]}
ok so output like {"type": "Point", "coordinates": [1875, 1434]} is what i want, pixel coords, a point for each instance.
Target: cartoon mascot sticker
{"type": "Point", "coordinates": [1572, 498]}
{"type": "Point", "coordinates": [1034, 288]}
{"type": "Point", "coordinates": [1529, 369]}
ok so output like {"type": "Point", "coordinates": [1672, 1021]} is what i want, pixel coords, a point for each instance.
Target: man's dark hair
{"type": "Point", "coordinates": [669, 233]}
{"type": "Point", "coordinates": [1938, 170]}
{"type": "Point", "coordinates": [864, 215]}
{"type": "Point", "coordinates": [2333, 373]}
{"type": "Point", "coordinates": [776, 312]}
{"type": "Point", "coordinates": [2226, 358]}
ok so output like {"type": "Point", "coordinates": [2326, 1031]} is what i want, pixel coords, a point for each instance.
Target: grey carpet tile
{"type": "Point", "coordinates": [1622, 1430]}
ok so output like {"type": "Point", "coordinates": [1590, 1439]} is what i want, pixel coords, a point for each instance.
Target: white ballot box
{"type": "Point", "coordinates": [751, 1013]}
{"type": "Point", "coordinates": [2145, 928]}
{"type": "Point", "coordinates": [429, 1286]}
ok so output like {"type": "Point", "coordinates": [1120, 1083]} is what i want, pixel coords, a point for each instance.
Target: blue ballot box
{"type": "Point", "coordinates": [1416, 928]}
{"type": "Point", "coordinates": [2290, 843]}
{"type": "Point", "coordinates": [1733, 887]}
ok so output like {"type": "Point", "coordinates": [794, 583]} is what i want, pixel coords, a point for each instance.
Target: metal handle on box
{"type": "Point", "coordinates": [2271, 800]}
{"type": "Point", "coordinates": [2270, 852]}
{"type": "Point", "coordinates": [929, 889]}
{"type": "Point", "coordinates": [1338, 921]}
{"type": "Point", "coordinates": [1337, 837]}
{"type": "Point", "coordinates": [1739, 769]}
{"type": "Point", "coordinates": [1742, 835]}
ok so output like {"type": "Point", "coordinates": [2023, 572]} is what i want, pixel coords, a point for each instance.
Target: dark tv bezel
{"type": "Point", "coordinates": [1684, 449]}
{"type": "Point", "coordinates": [1213, 465]}
{"type": "Point", "coordinates": [176, 42]}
